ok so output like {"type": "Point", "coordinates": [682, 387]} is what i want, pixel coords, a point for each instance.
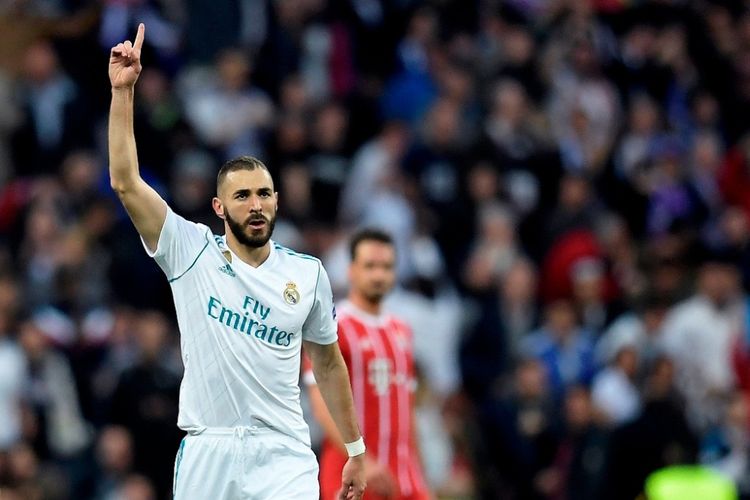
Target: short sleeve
{"type": "Point", "coordinates": [308, 376]}
{"type": "Point", "coordinates": [180, 244]}
{"type": "Point", "coordinates": [320, 325]}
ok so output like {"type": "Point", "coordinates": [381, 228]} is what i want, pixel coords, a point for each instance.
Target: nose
{"type": "Point", "coordinates": [255, 205]}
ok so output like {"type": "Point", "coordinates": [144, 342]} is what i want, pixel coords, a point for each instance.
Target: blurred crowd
{"type": "Point", "coordinates": [567, 181]}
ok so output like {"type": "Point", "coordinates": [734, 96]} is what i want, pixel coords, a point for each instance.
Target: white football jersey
{"type": "Point", "coordinates": [242, 328]}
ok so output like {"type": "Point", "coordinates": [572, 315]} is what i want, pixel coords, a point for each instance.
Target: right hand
{"type": "Point", "coordinates": [379, 479]}
{"type": "Point", "coordinates": [125, 61]}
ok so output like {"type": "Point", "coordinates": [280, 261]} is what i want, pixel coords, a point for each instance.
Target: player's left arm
{"type": "Point", "coordinates": [332, 379]}
{"type": "Point", "coordinates": [319, 335]}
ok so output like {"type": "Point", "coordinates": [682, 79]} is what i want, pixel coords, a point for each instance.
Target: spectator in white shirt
{"type": "Point", "coordinates": [699, 335]}
{"type": "Point", "coordinates": [12, 381]}
{"type": "Point", "coordinates": [614, 393]}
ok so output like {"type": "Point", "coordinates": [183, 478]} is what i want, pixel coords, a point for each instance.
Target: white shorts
{"type": "Point", "coordinates": [244, 463]}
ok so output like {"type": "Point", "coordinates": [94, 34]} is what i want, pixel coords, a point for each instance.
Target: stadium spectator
{"type": "Point", "coordinates": [145, 401]}
{"type": "Point", "coordinates": [725, 447]}
{"type": "Point", "coordinates": [660, 436]}
{"type": "Point", "coordinates": [55, 113]}
{"type": "Point", "coordinates": [614, 392]}
{"type": "Point", "coordinates": [114, 453]}
{"type": "Point", "coordinates": [226, 110]}
{"type": "Point", "coordinates": [699, 335]}
{"type": "Point", "coordinates": [517, 434]}
{"type": "Point", "coordinates": [13, 370]}
{"type": "Point", "coordinates": [564, 348]}
{"type": "Point", "coordinates": [579, 465]}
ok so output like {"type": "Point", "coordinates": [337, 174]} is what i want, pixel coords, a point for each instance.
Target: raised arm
{"type": "Point", "coordinates": [332, 380]}
{"type": "Point", "coordinates": [146, 208]}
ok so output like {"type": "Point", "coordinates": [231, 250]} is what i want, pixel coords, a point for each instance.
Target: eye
{"type": "Point", "coordinates": [265, 194]}
{"type": "Point", "coordinates": [241, 196]}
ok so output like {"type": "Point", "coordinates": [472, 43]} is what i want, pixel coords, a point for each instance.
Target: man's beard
{"type": "Point", "coordinates": [375, 295]}
{"type": "Point", "coordinates": [374, 298]}
{"type": "Point", "coordinates": [252, 241]}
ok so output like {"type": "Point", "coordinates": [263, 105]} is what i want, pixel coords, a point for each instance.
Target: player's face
{"type": "Point", "coordinates": [373, 271]}
{"type": "Point", "coordinates": [247, 202]}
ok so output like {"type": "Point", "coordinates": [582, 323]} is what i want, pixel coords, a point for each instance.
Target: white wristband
{"type": "Point", "coordinates": [355, 448]}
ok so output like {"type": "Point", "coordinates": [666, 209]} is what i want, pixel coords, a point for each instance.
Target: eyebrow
{"type": "Point", "coordinates": [247, 191]}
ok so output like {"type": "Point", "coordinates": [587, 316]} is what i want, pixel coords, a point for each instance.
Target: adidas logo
{"type": "Point", "coordinates": [227, 269]}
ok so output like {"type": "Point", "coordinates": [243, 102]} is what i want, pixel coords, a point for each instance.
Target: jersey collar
{"type": "Point", "coordinates": [367, 318]}
{"type": "Point", "coordinates": [236, 261]}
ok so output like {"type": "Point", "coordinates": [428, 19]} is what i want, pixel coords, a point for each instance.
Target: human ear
{"type": "Point", "coordinates": [218, 207]}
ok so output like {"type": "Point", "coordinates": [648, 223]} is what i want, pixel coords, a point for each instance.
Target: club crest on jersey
{"type": "Point", "coordinates": [291, 295]}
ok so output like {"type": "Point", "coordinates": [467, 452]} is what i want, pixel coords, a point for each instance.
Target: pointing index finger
{"type": "Point", "coordinates": [139, 37]}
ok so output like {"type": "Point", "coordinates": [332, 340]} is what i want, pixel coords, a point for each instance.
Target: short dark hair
{"type": "Point", "coordinates": [368, 234]}
{"type": "Point", "coordinates": [239, 163]}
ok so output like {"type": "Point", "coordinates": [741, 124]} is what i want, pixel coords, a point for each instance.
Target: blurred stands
{"type": "Point", "coordinates": [567, 181]}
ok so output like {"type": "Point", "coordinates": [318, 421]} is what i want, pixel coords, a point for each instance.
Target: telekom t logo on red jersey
{"type": "Point", "coordinates": [379, 375]}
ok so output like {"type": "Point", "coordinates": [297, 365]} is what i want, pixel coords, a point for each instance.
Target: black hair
{"type": "Point", "coordinates": [239, 163]}
{"type": "Point", "coordinates": [368, 234]}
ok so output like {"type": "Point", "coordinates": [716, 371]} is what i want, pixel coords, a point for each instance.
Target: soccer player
{"type": "Point", "coordinates": [378, 352]}
{"type": "Point", "coordinates": [245, 305]}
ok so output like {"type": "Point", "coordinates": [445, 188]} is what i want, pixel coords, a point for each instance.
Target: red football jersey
{"type": "Point", "coordinates": [379, 356]}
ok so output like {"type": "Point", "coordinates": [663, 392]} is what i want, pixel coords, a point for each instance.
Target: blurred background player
{"type": "Point", "coordinates": [378, 351]}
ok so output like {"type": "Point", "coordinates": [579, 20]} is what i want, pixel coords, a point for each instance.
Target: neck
{"type": "Point", "coordinates": [361, 302]}
{"type": "Point", "coordinates": [249, 255]}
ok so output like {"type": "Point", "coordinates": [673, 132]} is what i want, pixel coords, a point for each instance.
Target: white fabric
{"type": "Point", "coordinates": [369, 173]}
{"type": "Point", "coordinates": [626, 331]}
{"type": "Point", "coordinates": [244, 462]}
{"type": "Point", "coordinates": [242, 328]}
{"type": "Point", "coordinates": [12, 380]}
{"type": "Point", "coordinates": [436, 325]}
{"type": "Point", "coordinates": [616, 396]}
{"type": "Point", "coordinates": [629, 330]}
{"type": "Point", "coordinates": [699, 337]}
